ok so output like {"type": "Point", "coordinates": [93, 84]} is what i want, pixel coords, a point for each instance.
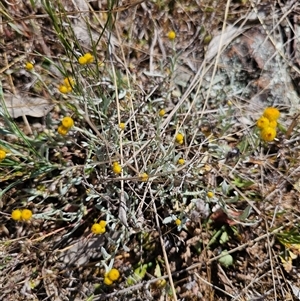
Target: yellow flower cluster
{"type": "Point", "coordinates": [67, 86]}
{"type": "Point", "coordinates": [2, 154]}
{"type": "Point", "coordinates": [99, 228]}
{"type": "Point", "coordinates": [117, 168]}
{"type": "Point", "coordinates": [66, 123]}
{"type": "Point", "coordinates": [111, 276]}
{"type": "Point", "coordinates": [24, 215]}
{"type": "Point", "coordinates": [267, 124]}
{"type": "Point", "coordinates": [179, 138]}
{"type": "Point", "coordinates": [87, 58]}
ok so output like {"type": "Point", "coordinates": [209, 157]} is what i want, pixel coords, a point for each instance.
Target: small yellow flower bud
{"type": "Point", "coordinates": [171, 35]}
{"type": "Point", "coordinates": [16, 214]}
{"type": "Point", "coordinates": [178, 222]}
{"type": "Point", "coordinates": [102, 223]}
{"type": "Point", "coordinates": [89, 58]}
{"type": "Point", "coordinates": [113, 275]}
{"type": "Point", "coordinates": [64, 89]}
{"type": "Point", "coordinates": [67, 122]}
{"type": "Point", "coordinates": [181, 161]}
{"type": "Point", "coordinates": [162, 113]}
{"type": "Point", "coordinates": [117, 168]}
{"type": "Point", "coordinates": [271, 113]}
{"type": "Point", "coordinates": [2, 154]}
{"type": "Point", "coordinates": [82, 60]}
{"type": "Point", "coordinates": [268, 134]}
{"type": "Point", "coordinates": [29, 66]}
{"type": "Point", "coordinates": [210, 194]}
{"type": "Point", "coordinates": [26, 214]}
{"type": "Point", "coordinates": [122, 126]}
{"type": "Point", "coordinates": [107, 281]}
{"type": "Point", "coordinates": [62, 130]}
{"type": "Point", "coordinates": [98, 229]}
{"type": "Point", "coordinates": [262, 122]}
{"type": "Point", "coordinates": [179, 138]}
{"type": "Point", "coordinates": [144, 177]}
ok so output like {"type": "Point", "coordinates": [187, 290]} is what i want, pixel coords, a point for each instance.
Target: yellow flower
{"type": "Point", "coordinates": [122, 126]}
{"type": "Point", "coordinates": [262, 122]}
{"type": "Point", "coordinates": [64, 89]}
{"type": "Point", "coordinates": [69, 82]}
{"type": "Point", "coordinates": [113, 275]}
{"type": "Point", "coordinates": [162, 113]}
{"type": "Point", "coordinates": [273, 124]}
{"type": "Point", "coordinates": [117, 168]}
{"type": "Point", "coordinates": [144, 177]}
{"type": "Point", "coordinates": [102, 223]}
{"type": "Point", "coordinates": [26, 214]}
{"type": "Point", "coordinates": [89, 58]}
{"type": "Point", "coordinates": [181, 161]}
{"type": "Point", "coordinates": [210, 194]}
{"type": "Point", "coordinates": [29, 66]}
{"type": "Point", "coordinates": [171, 35]}
{"type": "Point", "coordinates": [107, 281]}
{"type": "Point", "coordinates": [82, 60]}
{"type": "Point", "coordinates": [16, 214]}
{"type": "Point", "coordinates": [98, 229]}
{"type": "Point", "coordinates": [268, 134]}
{"type": "Point", "coordinates": [86, 59]}
{"type": "Point", "coordinates": [67, 122]}
{"type": "Point", "coordinates": [271, 113]}
{"type": "Point", "coordinates": [2, 154]}
{"type": "Point", "coordinates": [62, 130]}
{"type": "Point", "coordinates": [179, 138]}
{"type": "Point", "coordinates": [178, 222]}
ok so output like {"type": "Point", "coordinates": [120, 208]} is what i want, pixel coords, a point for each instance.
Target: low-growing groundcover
{"type": "Point", "coordinates": [153, 172]}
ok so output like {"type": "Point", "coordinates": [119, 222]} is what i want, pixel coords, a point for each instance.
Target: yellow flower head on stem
{"type": "Point", "coordinates": [210, 194]}
{"type": "Point", "coordinates": [178, 222]}
{"type": "Point", "coordinates": [69, 82]}
{"type": "Point", "coordinates": [98, 229]}
{"type": "Point", "coordinates": [122, 126]}
{"type": "Point", "coordinates": [107, 281]}
{"type": "Point", "coordinates": [162, 113]}
{"type": "Point", "coordinates": [262, 122]}
{"type": "Point", "coordinates": [144, 177]}
{"type": "Point", "coordinates": [2, 154]}
{"type": "Point", "coordinates": [179, 138]}
{"type": "Point", "coordinates": [16, 214]}
{"type": "Point", "coordinates": [64, 89]}
{"type": "Point", "coordinates": [268, 134]}
{"type": "Point", "coordinates": [62, 130]}
{"type": "Point", "coordinates": [171, 35]}
{"type": "Point", "coordinates": [113, 274]}
{"type": "Point", "coordinates": [271, 113]}
{"type": "Point", "coordinates": [67, 122]}
{"type": "Point", "coordinates": [82, 60]}
{"type": "Point", "coordinates": [117, 168]}
{"type": "Point", "coordinates": [89, 58]}
{"type": "Point", "coordinates": [29, 66]}
{"type": "Point", "coordinates": [26, 214]}
{"type": "Point", "coordinates": [273, 124]}
{"type": "Point", "coordinates": [102, 223]}
{"type": "Point", "coordinates": [181, 161]}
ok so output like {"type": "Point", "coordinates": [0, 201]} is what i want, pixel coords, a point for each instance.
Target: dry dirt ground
{"type": "Point", "coordinates": [228, 62]}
